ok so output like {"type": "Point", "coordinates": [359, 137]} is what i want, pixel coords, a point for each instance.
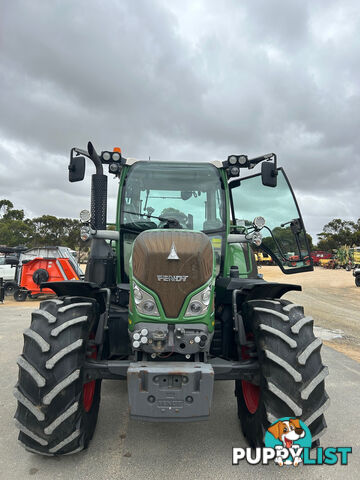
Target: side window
{"type": "Point", "coordinates": [284, 235]}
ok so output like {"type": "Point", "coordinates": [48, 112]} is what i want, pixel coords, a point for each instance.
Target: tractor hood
{"type": "Point", "coordinates": [172, 264]}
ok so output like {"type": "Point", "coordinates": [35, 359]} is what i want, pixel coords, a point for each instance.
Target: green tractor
{"type": "Point", "coordinates": [172, 301]}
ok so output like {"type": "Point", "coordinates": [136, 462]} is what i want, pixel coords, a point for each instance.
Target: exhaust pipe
{"type": "Point", "coordinates": [98, 192]}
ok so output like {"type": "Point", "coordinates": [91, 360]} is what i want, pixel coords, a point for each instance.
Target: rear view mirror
{"type": "Point", "coordinates": [76, 168]}
{"type": "Point", "coordinates": [268, 174]}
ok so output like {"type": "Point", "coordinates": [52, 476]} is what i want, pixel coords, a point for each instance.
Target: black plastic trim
{"type": "Point", "coordinates": [70, 288]}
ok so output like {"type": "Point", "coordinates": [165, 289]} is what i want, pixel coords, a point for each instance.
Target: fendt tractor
{"type": "Point", "coordinates": [172, 301]}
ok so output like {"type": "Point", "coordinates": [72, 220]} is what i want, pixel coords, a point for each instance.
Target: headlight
{"type": "Point", "coordinates": [199, 303]}
{"type": "Point", "coordinates": [137, 293]}
{"type": "Point", "coordinates": [144, 302]}
{"type": "Point", "coordinates": [85, 233]}
{"type": "Point", "coordinates": [149, 306]}
{"type": "Point", "coordinates": [85, 216]}
{"type": "Point", "coordinates": [195, 307]}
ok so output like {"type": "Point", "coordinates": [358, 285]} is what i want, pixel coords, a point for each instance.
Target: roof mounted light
{"type": "Point", "coordinates": [106, 156]}
{"type": "Point", "coordinates": [234, 171]}
{"type": "Point", "coordinates": [114, 168]}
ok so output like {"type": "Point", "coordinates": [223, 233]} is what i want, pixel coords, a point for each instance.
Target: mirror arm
{"type": "Point", "coordinates": [91, 154]}
{"type": "Point", "coordinates": [267, 157]}
{"type": "Point", "coordinates": [276, 243]}
{"type": "Point", "coordinates": [80, 151]}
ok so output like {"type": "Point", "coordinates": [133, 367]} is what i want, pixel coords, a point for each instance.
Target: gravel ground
{"type": "Point", "coordinates": [331, 297]}
{"type": "Point", "coordinates": [127, 449]}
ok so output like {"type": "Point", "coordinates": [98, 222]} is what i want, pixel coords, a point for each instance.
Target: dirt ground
{"type": "Point", "coordinates": [332, 299]}
{"type": "Point", "coordinates": [329, 296]}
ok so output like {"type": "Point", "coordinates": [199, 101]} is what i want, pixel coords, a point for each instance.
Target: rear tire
{"type": "Point", "coordinates": [291, 371]}
{"type": "Point", "coordinates": [55, 414]}
{"type": "Point", "coordinates": [357, 280]}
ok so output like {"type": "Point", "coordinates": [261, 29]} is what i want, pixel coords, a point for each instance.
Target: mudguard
{"type": "Point", "coordinates": [72, 288]}
{"type": "Point", "coordinates": [251, 288]}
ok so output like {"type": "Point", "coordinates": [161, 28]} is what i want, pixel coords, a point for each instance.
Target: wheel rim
{"type": "Point", "coordinates": [251, 395]}
{"type": "Point", "coordinates": [251, 392]}
{"type": "Point", "coordinates": [9, 289]}
{"type": "Point", "coordinates": [88, 395]}
{"type": "Point", "coordinates": [89, 387]}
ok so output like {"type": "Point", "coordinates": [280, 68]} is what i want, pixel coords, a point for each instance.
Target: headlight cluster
{"type": "Point", "coordinates": [113, 159]}
{"type": "Point", "coordinates": [234, 163]}
{"type": "Point", "coordinates": [144, 302]}
{"type": "Point", "coordinates": [140, 337]}
{"type": "Point", "coordinates": [199, 303]}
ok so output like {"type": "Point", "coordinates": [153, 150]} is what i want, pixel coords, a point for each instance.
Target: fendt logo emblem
{"type": "Point", "coordinates": [172, 278]}
{"type": "Point", "coordinates": [173, 255]}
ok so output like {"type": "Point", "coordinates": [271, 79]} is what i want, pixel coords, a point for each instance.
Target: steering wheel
{"type": "Point", "coordinates": [172, 223]}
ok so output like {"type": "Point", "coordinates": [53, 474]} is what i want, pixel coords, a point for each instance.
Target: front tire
{"type": "Point", "coordinates": [57, 410]}
{"type": "Point", "coordinates": [20, 295]}
{"type": "Point", "coordinates": [291, 371]}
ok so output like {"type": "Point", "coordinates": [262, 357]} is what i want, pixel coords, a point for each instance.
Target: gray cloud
{"type": "Point", "coordinates": [180, 80]}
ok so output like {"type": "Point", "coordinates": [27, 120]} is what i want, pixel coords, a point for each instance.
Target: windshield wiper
{"type": "Point", "coordinates": [147, 215]}
{"type": "Point", "coordinates": [170, 222]}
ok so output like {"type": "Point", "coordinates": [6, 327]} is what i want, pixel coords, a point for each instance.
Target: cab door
{"type": "Point", "coordinates": [284, 235]}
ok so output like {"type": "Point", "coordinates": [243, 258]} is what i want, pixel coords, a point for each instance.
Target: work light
{"type": "Point", "coordinates": [85, 216]}
{"type": "Point", "coordinates": [106, 156]}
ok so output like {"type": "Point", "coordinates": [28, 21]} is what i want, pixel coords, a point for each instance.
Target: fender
{"type": "Point", "coordinates": [78, 288]}
{"type": "Point", "coordinates": [251, 288]}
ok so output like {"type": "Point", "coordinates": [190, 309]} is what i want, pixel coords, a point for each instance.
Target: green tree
{"type": "Point", "coordinates": [15, 229]}
{"type": "Point", "coordinates": [5, 206]}
{"type": "Point", "coordinates": [339, 232]}
{"type": "Point", "coordinates": [50, 230]}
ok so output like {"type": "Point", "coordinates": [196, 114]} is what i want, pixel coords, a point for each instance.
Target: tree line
{"type": "Point", "coordinates": [338, 233]}
{"type": "Point", "coordinates": [46, 230]}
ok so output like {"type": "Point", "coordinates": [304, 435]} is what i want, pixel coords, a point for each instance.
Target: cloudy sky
{"type": "Point", "coordinates": [181, 79]}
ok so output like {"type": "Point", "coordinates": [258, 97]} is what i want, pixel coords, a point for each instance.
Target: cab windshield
{"type": "Point", "coordinates": [170, 195]}
{"type": "Point", "coordinates": [190, 194]}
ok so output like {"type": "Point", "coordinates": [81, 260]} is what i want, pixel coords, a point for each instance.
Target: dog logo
{"type": "Point", "coordinates": [288, 436]}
